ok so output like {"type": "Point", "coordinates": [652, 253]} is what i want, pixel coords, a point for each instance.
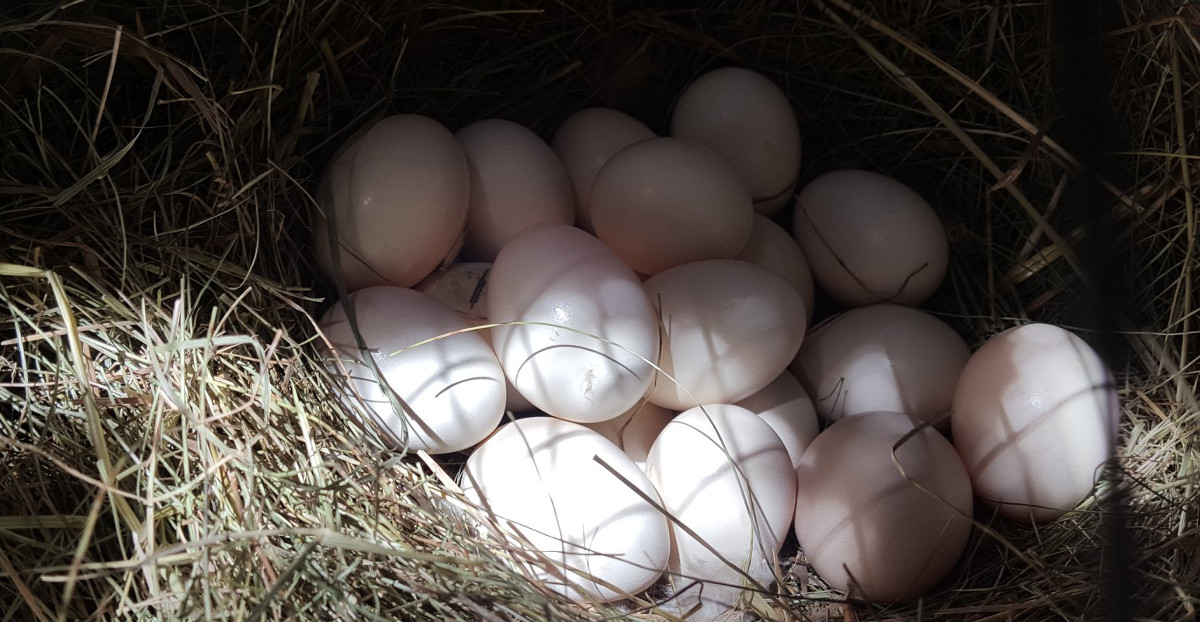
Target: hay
{"type": "Point", "coordinates": [169, 444]}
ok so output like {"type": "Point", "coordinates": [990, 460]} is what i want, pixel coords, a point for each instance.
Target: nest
{"type": "Point", "coordinates": [170, 447]}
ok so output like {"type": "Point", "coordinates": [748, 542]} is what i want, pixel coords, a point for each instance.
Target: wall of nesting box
{"type": "Point", "coordinates": [170, 447]}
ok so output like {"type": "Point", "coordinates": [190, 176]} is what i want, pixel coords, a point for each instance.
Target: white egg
{"type": "Point", "coordinates": [585, 141]}
{"type": "Point", "coordinates": [452, 389]}
{"type": "Point", "coordinates": [729, 328]}
{"type": "Point", "coordinates": [516, 181]}
{"type": "Point", "coordinates": [634, 430]}
{"type": "Point", "coordinates": [1035, 417]}
{"type": "Point", "coordinates": [724, 474]}
{"type": "Point", "coordinates": [786, 407]}
{"type": "Point", "coordinates": [882, 357]}
{"type": "Point", "coordinates": [542, 477]}
{"type": "Point", "coordinates": [398, 194]}
{"type": "Point", "coordinates": [745, 117]}
{"type": "Point", "coordinates": [868, 528]}
{"type": "Point", "coordinates": [663, 202]}
{"type": "Point", "coordinates": [773, 248]}
{"type": "Point", "coordinates": [870, 239]}
{"type": "Point", "coordinates": [586, 335]}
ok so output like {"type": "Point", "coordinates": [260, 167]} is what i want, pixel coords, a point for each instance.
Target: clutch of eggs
{"type": "Point", "coordinates": [613, 278]}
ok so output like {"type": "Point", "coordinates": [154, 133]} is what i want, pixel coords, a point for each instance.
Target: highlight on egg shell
{"type": "Point", "coordinates": [1034, 417]}
{"type": "Point", "coordinates": [450, 387]}
{"type": "Point", "coordinates": [664, 202]}
{"type": "Point", "coordinates": [548, 482]}
{"type": "Point", "coordinates": [728, 329]}
{"type": "Point", "coordinates": [882, 512]}
{"type": "Point", "coordinates": [398, 195]}
{"type": "Point", "coordinates": [516, 181]}
{"type": "Point", "coordinates": [742, 115]}
{"type": "Point", "coordinates": [870, 239]}
{"type": "Point", "coordinates": [576, 334]}
{"type": "Point", "coordinates": [722, 472]}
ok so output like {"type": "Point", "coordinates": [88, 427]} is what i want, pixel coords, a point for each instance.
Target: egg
{"type": "Point", "coordinates": [773, 248]}
{"type": "Point", "coordinates": [863, 525]}
{"type": "Point", "coordinates": [745, 117]}
{"type": "Point", "coordinates": [578, 334]}
{"type": "Point", "coordinates": [870, 239]}
{"type": "Point", "coordinates": [1034, 417]}
{"type": "Point", "coordinates": [729, 328]}
{"type": "Point", "coordinates": [663, 202]}
{"type": "Point", "coordinates": [542, 481]}
{"type": "Point", "coordinates": [585, 141]}
{"type": "Point", "coordinates": [516, 181]}
{"type": "Point", "coordinates": [787, 408]}
{"type": "Point", "coordinates": [722, 472]}
{"type": "Point", "coordinates": [882, 357]}
{"type": "Point", "coordinates": [634, 430]}
{"type": "Point", "coordinates": [398, 194]}
{"type": "Point", "coordinates": [451, 390]}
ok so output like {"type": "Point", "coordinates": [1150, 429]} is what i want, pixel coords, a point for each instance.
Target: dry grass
{"type": "Point", "coordinates": [168, 442]}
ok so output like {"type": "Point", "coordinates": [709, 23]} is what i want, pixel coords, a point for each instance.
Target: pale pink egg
{"type": "Point", "coordinates": [585, 141]}
{"type": "Point", "coordinates": [516, 181]}
{"type": "Point", "coordinates": [870, 529]}
{"type": "Point", "coordinates": [1035, 417]}
{"type": "Point", "coordinates": [578, 334]}
{"type": "Point", "coordinates": [729, 328]}
{"type": "Point", "coordinates": [398, 196]}
{"type": "Point", "coordinates": [773, 248]}
{"type": "Point", "coordinates": [870, 239]}
{"type": "Point", "coordinates": [664, 202]}
{"type": "Point", "coordinates": [745, 117]}
{"type": "Point", "coordinates": [882, 357]}
{"type": "Point", "coordinates": [553, 483]}
{"type": "Point", "coordinates": [450, 389]}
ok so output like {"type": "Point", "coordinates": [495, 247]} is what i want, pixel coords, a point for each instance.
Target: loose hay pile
{"type": "Point", "coordinates": [168, 442]}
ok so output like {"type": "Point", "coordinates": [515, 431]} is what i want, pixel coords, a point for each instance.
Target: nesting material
{"type": "Point", "coordinates": [172, 445]}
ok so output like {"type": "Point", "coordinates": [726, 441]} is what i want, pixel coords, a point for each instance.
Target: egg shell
{"type": "Point", "coordinates": [634, 430]}
{"type": "Point", "coordinates": [663, 202]}
{"type": "Point", "coordinates": [723, 472]}
{"type": "Point", "coordinates": [729, 328]}
{"type": "Point", "coordinates": [882, 357]}
{"type": "Point", "coordinates": [453, 387]}
{"type": "Point", "coordinates": [398, 194]}
{"type": "Point", "coordinates": [585, 141]}
{"type": "Point", "coordinates": [541, 476]}
{"type": "Point", "coordinates": [745, 117]}
{"type": "Point", "coordinates": [516, 181]}
{"type": "Point", "coordinates": [773, 248]}
{"type": "Point", "coordinates": [787, 408]}
{"type": "Point", "coordinates": [1034, 417]}
{"type": "Point", "coordinates": [590, 360]}
{"type": "Point", "coordinates": [867, 530]}
{"type": "Point", "coordinates": [870, 239]}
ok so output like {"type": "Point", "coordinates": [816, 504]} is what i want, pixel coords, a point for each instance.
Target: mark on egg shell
{"type": "Point", "coordinates": [825, 242]}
